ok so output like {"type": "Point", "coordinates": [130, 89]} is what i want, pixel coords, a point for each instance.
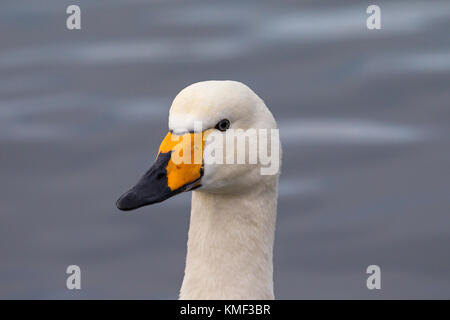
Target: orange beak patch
{"type": "Point", "coordinates": [185, 164]}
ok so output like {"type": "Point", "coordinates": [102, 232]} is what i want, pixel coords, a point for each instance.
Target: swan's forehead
{"type": "Point", "coordinates": [188, 118]}
{"type": "Point", "coordinates": [209, 102]}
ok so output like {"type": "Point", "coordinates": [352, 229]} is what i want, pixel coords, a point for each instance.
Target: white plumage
{"type": "Point", "coordinates": [233, 214]}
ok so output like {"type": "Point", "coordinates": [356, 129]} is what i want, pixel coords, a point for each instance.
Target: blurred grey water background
{"type": "Point", "coordinates": [364, 119]}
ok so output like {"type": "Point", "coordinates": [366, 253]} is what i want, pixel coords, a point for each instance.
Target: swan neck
{"type": "Point", "coordinates": [230, 246]}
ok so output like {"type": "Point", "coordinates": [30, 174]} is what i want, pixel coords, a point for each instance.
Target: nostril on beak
{"type": "Point", "coordinates": [160, 175]}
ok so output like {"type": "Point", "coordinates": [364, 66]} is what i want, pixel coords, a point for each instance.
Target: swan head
{"type": "Point", "coordinates": [222, 139]}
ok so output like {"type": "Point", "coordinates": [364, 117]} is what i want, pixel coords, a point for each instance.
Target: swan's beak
{"type": "Point", "coordinates": [177, 168]}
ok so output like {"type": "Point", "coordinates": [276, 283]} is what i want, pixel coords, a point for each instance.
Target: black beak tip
{"type": "Point", "coordinates": [128, 201]}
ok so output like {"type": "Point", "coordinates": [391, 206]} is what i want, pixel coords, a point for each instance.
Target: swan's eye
{"type": "Point", "coordinates": [223, 125]}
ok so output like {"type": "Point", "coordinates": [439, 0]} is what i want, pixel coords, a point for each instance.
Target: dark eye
{"type": "Point", "coordinates": [223, 125]}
